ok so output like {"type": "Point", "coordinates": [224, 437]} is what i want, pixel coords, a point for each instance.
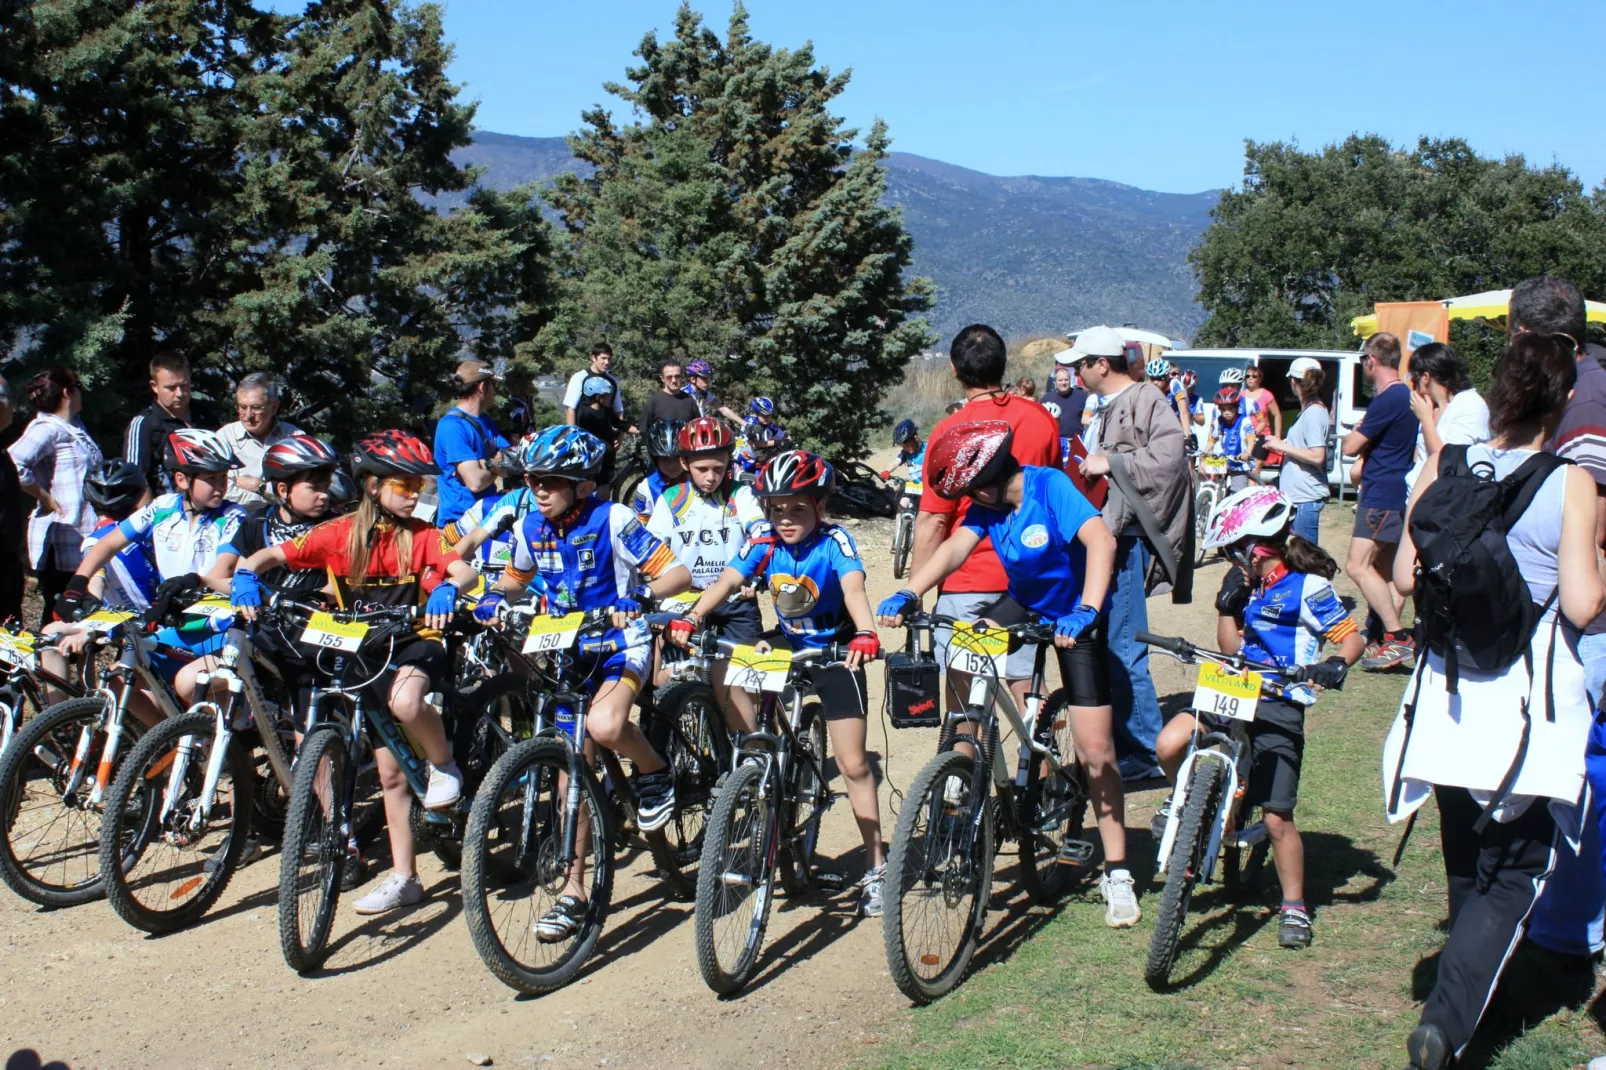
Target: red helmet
{"type": "Point", "coordinates": [196, 452]}
{"type": "Point", "coordinates": [796, 472]}
{"type": "Point", "coordinates": [1227, 395]}
{"type": "Point", "coordinates": [290, 457]}
{"type": "Point", "coordinates": [969, 456]}
{"type": "Point", "coordinates": [705, 434]}
{"type": "Point", "coordinates": [393, 453]}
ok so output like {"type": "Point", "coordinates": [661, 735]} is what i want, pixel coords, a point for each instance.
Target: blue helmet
{"type": "Point", "coordinates": [563, 451]}
{"type": "Point", "coordinates": [906, 431]}
{"type": "Point", "coordinates": [596, 386]}
{"type": "Point", "coordinates": [763, 407]}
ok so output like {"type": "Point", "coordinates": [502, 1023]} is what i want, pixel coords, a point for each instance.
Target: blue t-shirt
{"type": "Point", "coordinates": [460, 437]}
{"type": "Point", "coordinates": [1036, 542]}
{"type": "Point", "coordinates": [1390, 427]}
{"type": "Point", "coordinates": [805, 580]}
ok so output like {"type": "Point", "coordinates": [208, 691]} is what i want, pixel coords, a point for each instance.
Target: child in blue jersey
{"type": "Point", "coordinates": [1058, 557]}
{"type": "Point", "coordinates": [483, 535]}
{"type": "Point", "coordinates": [588, 551]}
{"type": "Point", "coordinates": [911, 454]}
{"type": "Point", "coordinates": [1232, 435]}
{"type": "Point", "coordinates": [663, 447]}
{"type": "Point", "coordinates": [1278, 591]}
{"type": "Point", "coordinates": [814, 574]}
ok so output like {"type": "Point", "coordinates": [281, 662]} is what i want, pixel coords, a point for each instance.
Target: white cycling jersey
{"type": "Point", "coordinates": [705, 531]}
{"type": "Point", "coordinates": [179, 540]}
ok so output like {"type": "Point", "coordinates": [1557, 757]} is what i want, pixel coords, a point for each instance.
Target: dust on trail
{"type": "Point", "coordinates": [408, 990]}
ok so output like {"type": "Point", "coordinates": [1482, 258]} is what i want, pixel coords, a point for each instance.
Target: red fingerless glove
{"type": "Point", "coordinates": [682, 628]}
{"type": "Point", "coordinates": [866, 643]}
{"type": "Point", "coordinates": [887, 474]}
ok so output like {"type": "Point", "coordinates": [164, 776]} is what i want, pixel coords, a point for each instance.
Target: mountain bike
{"type": "Point", "coordinates": [58, 771]}
{"type": "Point", "coordinates": [940, 863]}
{"type": "Point", "coordinates": [1205, 811]}
{"type": "Point", "coordinates": [903, 531]}
{"type": "Point", "coordinates": [524, 831]}
{"type": "Point", "coordinates": [184, 803]}
{"type": "Point", "coordinates": [631, 466]}
{"type": "Point", "coordinates": [766, 817]}
{"type": "Point", "coordinates": [23, 680]}
{"type": "Point", "coordinates": [859, 489]}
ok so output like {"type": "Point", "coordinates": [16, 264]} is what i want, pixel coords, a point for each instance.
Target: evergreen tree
{"type": "Point", "coordinates": [736, 223]}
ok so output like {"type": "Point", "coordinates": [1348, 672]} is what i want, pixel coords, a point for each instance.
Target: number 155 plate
{"type": "Point", "coordinates": [1225, 693]}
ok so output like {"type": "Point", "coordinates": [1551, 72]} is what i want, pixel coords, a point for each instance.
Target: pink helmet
{"type": "Point", "coordinates": [1254, 512]}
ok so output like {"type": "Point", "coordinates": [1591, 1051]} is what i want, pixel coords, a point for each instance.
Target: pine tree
{"type": "Point", "coordinates": [736, 223]}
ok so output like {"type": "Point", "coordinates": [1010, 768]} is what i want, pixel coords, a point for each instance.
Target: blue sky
{"type": "Point", "coordinates": [1157, 95]}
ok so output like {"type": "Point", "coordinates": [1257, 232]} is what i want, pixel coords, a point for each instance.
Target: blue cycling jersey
{"type": "Point", "coordinates": [586, 558]}
{"type": "Point", "coordinates": [805, 580]}
{"type": "Point", "coordinates": [1230, 437]}
{"type": "Point", "coordinates": [1036, 542]}
{"type": "Point", "coordinates": [131, 578]}
{"type": "Point", "coordinates": [177, 538]}
{"type": "Point", "coordinates": [1289, 616]}
{"type": "Point", "coordinates": [492, 513]}
{"type": "Point", "coordinates": [648, 491]}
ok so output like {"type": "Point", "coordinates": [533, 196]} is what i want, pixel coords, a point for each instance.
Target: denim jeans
{"type": "Point", "coordinates": [1308, 521]}
{"type": "Point", "coordinates": [1571, 912]}
{"type": "Point", "coordinates": [1136, 716]}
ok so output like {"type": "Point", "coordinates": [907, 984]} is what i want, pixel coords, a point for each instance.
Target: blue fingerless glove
{"type": "Point", "coordinates": [632, 602]}
{"type": "Point", "coordinates": [902, 604]}
{"type": "Point", "coordinates": [246, 589]}
{"type": "Point", "coordinates": [485, 612]}
{"type": "Point", "coordinates": [1077, 621]}
{"type": "Point", "coordinates": [442, 600]}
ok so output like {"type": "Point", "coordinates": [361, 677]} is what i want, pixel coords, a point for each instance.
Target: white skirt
{"type": "Point", "coordinates": [1470, 739]}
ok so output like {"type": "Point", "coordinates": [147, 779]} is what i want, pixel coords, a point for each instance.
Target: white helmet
{"type": "Point", "coordinates": [1232, 377]}
{"type": "Point", "coordinates": [1262, 512]}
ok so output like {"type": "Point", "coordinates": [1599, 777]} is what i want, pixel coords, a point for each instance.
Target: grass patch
{"type": "Point", "coordinates": [1059, 989]}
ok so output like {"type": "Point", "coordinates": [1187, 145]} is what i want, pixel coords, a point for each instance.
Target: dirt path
{"type": "Point", "coordinates": [408, 990]}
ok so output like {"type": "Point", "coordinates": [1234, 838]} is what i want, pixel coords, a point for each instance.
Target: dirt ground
{"type": "Point", "coordinates": [408, 990]}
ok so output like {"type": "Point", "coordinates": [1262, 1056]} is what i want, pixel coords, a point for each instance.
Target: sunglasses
{"type": "Point", "coordinates": [407, 487]}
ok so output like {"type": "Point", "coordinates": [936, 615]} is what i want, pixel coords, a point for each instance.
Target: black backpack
{"type": "Point", "coordinates": [1472, 603]}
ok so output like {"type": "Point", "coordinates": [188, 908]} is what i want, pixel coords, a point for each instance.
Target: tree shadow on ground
{"type": "Point", "coordinates": [1535, 985]}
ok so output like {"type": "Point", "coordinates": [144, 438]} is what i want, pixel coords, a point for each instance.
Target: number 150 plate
{"type": "Point", "coordinates": [1225, 693]}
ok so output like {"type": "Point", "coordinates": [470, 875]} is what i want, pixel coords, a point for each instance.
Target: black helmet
{"type": "Point", "coordinates": [343, 493]}
{"type": "Point", "coordinates": [906, 431]}
{"type": "Point", "coordinates": [114, 487]}
{"type": "Point", "coordinates": [663, 438]}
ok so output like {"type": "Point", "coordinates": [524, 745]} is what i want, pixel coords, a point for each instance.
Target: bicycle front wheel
{"type": "Point", "coordinates": [1056, 850]}
{"type": "Point", "coordinates": [902, 543]}
{"type": "Point", "coordinates": [514, 868]}
{"type": "Point", "coordinates": [939, 876]}
{"type": "Point", "coordinates": [698, 747]}
{"type": "Point", "coordinates": [314, 849]}
{"type": "Point", "coordinates": [1197, 815]}
{"type": "Point", "coordinates": [167, 851]}
{"type": "Point", "coordinates": [735, 882]}
{"type": "Point", "coordinates": [1204, 503]}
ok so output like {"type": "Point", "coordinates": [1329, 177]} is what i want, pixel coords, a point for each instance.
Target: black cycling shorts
{"type": "Point", "coordinates": [842, 694]}
{"type": "Point", "coordinates": [740, 622]}
{"type": "Point", "coordinates": [1276, 754]}
{"type": "Point", "coordinates": [1084, 668]}
{"type": "Point", "coordinates": [429, 655]}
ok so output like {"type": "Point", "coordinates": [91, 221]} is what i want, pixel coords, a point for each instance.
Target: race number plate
{"type": "Point", "coordinates": [17, 648]}
{"type": "Point", "coordinates": [976, 651]}
{"type": "Point", "coordinates": [323, 630]}
{"type": "Point", "coordinates": [212, 606]}
{"type": "Point", "coordinates": [680, 603]}
{"type": "Point", "coordinates": [1213, 464]}
{"type": "Point", "coordinates": [751, 670]}
{"type": "Point", "coordinates": [1226, 694]}
{"type": "Point", "coordinates": [104, 620]}
{"type": "Point", "coordinates": [552, 633]}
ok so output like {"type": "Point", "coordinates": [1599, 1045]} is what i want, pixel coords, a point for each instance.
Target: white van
{"type": "Point", "coordinates": [1346, 396]}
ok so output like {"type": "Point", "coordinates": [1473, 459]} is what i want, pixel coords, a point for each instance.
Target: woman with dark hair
{"type": "Point", "coordinates": [1501, 752]}
{"type": "Point", "coordinates": [52, 457]}
{"type": "Point", "coordinates": [1448, 409]}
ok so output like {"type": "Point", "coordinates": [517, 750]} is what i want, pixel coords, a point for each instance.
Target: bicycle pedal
{"type": "Point", "coordinates": [437, 817]}
{"type": "Point", "coordinates": [1075, 853]}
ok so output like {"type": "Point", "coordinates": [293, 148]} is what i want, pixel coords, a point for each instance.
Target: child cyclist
{"type": "Point", "coordinates": [706, 523]}
{"type": "Point", "coordinates": [911, 451]}
{"type": "Point", "coordinates": [1278, 587]}
{"type": "Point", "coordinates": [381, 556]}
{"type": "Point", "coordinates": [663, 446]}
{"type": "Point", "coordinates": [1232, 435]}
{"type": "Point", "coordinates": [1058, 557]}
{"type": "Point", "coordinates": [817, 581]}
{"type": "Point", "coordinates": [584, 549]}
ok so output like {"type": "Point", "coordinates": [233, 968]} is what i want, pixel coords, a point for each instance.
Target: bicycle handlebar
{"type": "Point", "coordinates": [1032, 631]}
{"type": "Point", "coordinates": [398, 614]}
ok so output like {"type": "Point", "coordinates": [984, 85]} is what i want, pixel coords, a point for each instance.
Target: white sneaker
{"type": "Point", "coordinates": [394, 891]}
{"type": "Point", "coordinates": [445, 786]}
{"type": "Point", "coordinates": [1120, 900]}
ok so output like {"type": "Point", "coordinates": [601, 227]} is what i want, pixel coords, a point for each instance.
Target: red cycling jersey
{"type": "Point", "coordinates": [387, 581]}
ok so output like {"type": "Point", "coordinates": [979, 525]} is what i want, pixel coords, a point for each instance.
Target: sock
{"type": "Point", "coordinates": [1116, 869]}
{"type": "Point", "coordinates": [1293, 904]}
{"type": "Point", "coordinates": [1402, 635]}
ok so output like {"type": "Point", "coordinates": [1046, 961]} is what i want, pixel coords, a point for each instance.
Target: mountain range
{"type": "Point", "coordinates": [1029, 255]}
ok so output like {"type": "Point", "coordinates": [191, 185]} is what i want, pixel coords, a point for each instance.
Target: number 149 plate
{"type": "Point", "coordinates": [1225, 693]}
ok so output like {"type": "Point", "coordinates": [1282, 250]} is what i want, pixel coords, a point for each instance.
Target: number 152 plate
{"type": "Point", "coordinates": [1226, 694]}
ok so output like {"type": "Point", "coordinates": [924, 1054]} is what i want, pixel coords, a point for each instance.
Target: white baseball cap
{"type": "Point", "coordinates": [1098, 342]}
{"type": "Point", "coordinates": [1066, 357]}
{"type": "Point", "coordinates": [1301, 365]}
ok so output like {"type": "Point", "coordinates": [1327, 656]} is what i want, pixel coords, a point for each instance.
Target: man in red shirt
{"type": "Point", "coordinates": [978, 356]}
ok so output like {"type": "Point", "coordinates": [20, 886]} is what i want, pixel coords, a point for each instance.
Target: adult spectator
{"type": "Point", "coordinates": [1025, 387]}
{"type": "Point", "coordinates": [1386, 440]}
{"type": "Point", "coordinates": [1135, 440]}
{"type": "Point", "coordinates": [145, 441]}
{"type": "Point", "coordinates": [52, 457]}
{"type": "Point", "coordinates": [601, 360]}
{"type": "Point", "coordinates": [669, 402]}
{"type": "Point", "coordinates": [699, 380]}
{"type": "Point", "coordinates": [1065, 400]}
{"type": "Point", "coordinates": [1507, 778]}
{"type": "Point", "coordinates": [1304, 476]}
{"type": "Point", "coordinates": [1448, 409]}
{"type": "Point", "coordinates": [13, 521]}
{"type": "Point", "coordinates": [467, 442]}
{"type": "Point", "coordinates": [1262, 405]}
{"type": "Point", "coordinates": [978, 357]}
{"type": "Point", "coordinates": [256, 400]}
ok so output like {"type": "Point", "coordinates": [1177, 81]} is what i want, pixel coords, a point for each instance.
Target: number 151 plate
{"type": "Point", "coordinates": [1225, 693]}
